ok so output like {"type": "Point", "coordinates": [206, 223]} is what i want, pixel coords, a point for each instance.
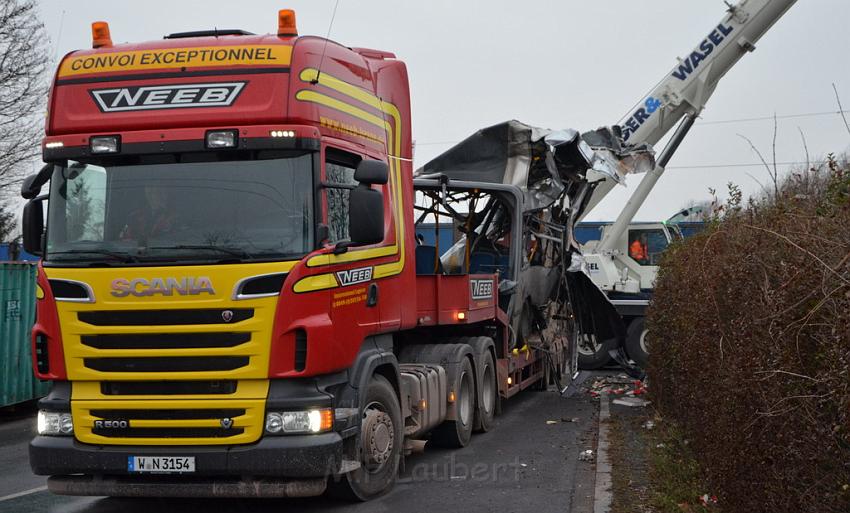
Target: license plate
{"type": "Point", "coordinates": [161, 464]}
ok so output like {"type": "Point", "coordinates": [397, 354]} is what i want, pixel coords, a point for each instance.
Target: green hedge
{"type": "Point", "coordinates": [750, 333]}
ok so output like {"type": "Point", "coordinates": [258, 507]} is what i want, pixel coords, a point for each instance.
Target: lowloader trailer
{"type": "Point", "coordinates": [231, 300]}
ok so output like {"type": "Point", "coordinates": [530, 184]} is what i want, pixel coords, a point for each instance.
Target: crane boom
{"type": "Point", "coordinates": [683, 93]}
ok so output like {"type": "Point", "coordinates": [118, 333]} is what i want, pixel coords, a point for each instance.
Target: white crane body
{"type": "Point", "coordinates": [678, 99]}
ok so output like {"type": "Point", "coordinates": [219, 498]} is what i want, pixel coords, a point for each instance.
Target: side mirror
{"type": "Point", "coordinates": [32, 225]}
{"type": "Point", "coordinates": [32, 184]}
{"type": "Point", "coordinates": [366, 215]}
{"type": "Point", "coordinates": [371, 172]}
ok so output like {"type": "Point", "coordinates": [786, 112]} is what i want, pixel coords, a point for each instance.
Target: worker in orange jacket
{"type": "Point", "coordinates": [638, 250]}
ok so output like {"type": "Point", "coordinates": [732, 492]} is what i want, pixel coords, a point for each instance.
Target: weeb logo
{"type": "Point", "coordinates": [354, 276]}
{"type": "Point", "coordinates": [481, 289]}
{"type": "Point", "coordinates": [166, 96]}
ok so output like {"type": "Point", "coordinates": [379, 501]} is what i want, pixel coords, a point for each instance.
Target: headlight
{"type": "Point", "coordinates": [311, 421]}
{"type": "Point", "coordinates": [54, 423]}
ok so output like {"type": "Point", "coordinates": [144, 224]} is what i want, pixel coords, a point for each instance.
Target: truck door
{"type": "Point", "coordinates": [348, 302]}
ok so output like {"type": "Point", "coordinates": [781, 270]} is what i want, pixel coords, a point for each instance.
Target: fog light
{"type": "Point", "coordinates": [274, 424]}
{"type": "Point", "coordinates": [51, 423]}
{"type": "Point", "coordinates": [105, 144]}
{"type": "Point", "coordinates": [282, 133]}
{"type": "Point", "coordinates": [222, 139]}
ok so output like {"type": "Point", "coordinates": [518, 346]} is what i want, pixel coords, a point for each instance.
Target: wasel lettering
{"type": "Point", "coordinates": [687, 67]}
{"type": "Point", "coordinates": [640, 116]}
{"type": "Point", "coordinates": [167, 97]}
{"type": "Point", "coordinates": [142, 287]}
{"type": "Point", "coordinates": [481, 289]}
{"type": "Point", "coordinates": [705, 48]}
{"type": "Point", "coordinates": [353, 276]}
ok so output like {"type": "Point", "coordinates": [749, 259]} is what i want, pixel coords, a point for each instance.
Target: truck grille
{"type": "Point", "coordinates": [165, 340]}
{"type": "Point", "coordinates": [168, 432]}
{"type": "Point", "coordinates": [175, 422]}
{"type": "Point", "coordinates": [170, 344]}
{"type": "Point", "coordinates": [165, 317]}
{"type": "Point", "coordinates": [167, 364]}
{"type": "Point", "coordinates": [207, 387]}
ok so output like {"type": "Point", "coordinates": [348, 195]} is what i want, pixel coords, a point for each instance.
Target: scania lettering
{"type": "Point", "coordinates": [141, 287]}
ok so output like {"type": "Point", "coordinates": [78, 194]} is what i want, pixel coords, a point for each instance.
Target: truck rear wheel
{"type": "Point", "coordinates": [456, 433]}
{"type": "Point", "coordinates": [637, 343]}
{"type": "Point", "coordinates": [381, 439]}
{"type": "Point", "coordinates": [487, 393]}
{"type": "Point", "coordinates": [591, 353]}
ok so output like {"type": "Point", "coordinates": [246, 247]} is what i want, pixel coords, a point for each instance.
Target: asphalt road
{"type": "Point", "coordinates": [523, 465]}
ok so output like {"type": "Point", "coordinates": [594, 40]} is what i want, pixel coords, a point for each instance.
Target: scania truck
{"type": "Point", "coordinates": [231, 300]}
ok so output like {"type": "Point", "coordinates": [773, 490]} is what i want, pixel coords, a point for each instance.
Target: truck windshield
{"type": "Point", "coordinates": [169, 209]}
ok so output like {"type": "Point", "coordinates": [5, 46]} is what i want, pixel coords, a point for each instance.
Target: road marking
{"type": "Point", "coordinates": [602, 493]}
{"type": "Point", "coordinates": [21, 494]}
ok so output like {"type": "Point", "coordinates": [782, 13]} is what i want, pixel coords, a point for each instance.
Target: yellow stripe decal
{"type": "Point", "coordinates": [325, 281]}
{"type": "Point", "coordinates": [177, 58]}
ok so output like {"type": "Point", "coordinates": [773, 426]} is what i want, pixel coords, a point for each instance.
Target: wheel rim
{"type": "Point", "coordinates": [377, 437]}
{"type": "Point", "coordinates": [487, 392]}
{"type": "Point", "coordinates": [465, 398]}
{"type": "Point", "coordinates": [588, 347]}
{"type": "Point", "coordinates": [644, 343]}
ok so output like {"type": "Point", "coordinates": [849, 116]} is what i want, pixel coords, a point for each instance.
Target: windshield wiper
{"type": "Point", "coordinates": [238, 253]}
{"type": "Point", "coordinates": [117, 255]}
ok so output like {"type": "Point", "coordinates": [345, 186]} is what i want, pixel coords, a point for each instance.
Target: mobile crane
{"type": "Point", "coordinates": [679, 98]}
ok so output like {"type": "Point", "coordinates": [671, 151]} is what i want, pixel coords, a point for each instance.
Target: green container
{"type": "Point", "coordinates": [17, 315]}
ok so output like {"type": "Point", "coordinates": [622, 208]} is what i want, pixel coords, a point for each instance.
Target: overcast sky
{"type": "Point", "coordinates": [554, 64]}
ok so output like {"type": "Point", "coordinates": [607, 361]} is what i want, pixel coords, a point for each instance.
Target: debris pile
{"type": "Point", "coordinates": [619, 385]}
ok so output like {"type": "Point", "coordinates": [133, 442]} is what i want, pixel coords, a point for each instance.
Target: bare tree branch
{"type": "Point", "coordinates": [840, 108]}
{"type": "Point", "coordinates": [805, 147]}
{"type": "Point", "coordinates": [23, 88]}
{"type": "Point", "coordinates": [763, 160]}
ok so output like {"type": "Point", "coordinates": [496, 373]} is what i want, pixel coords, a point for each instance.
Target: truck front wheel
{"type": "Point", "coordinates": [381, 439]}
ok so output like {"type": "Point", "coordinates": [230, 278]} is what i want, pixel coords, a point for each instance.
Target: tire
{"type": "Point", "coordinates": [488, 393]}
{"type": "Point", "coordinates": [456, 433]}
{"type": "Point", "coordinates": [592, 355]}
{"type": "Point", "coordinates": [637, 342]}
{"type": "Point", "coordinates": [381, 439]}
